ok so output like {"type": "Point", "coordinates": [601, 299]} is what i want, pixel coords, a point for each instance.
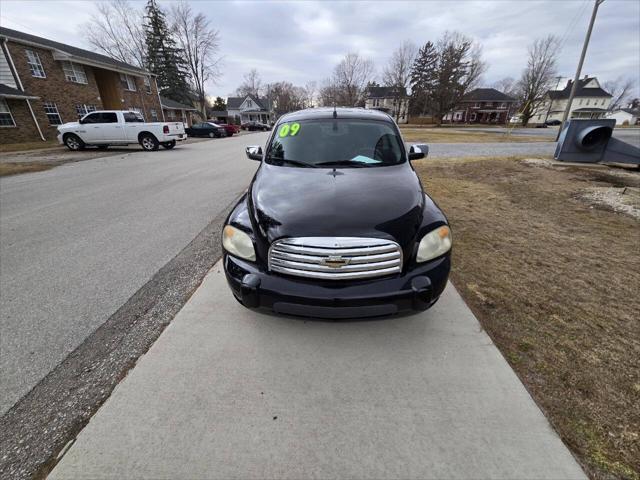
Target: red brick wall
{"type": "Point", "coordinates": [25, 129]}
{"type": "Point", "coordinates": [53, 88]}
{"type": "Point", "coordinates": [142, 100]}
{"type": "Point", "coordinates": [66, 94]}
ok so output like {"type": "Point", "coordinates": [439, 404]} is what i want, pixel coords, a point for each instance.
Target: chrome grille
{"type": "Point", "coordinates": [335, 258]}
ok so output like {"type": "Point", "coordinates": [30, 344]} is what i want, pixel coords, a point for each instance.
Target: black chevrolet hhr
{"type": "Point", "coordinates": [335, 223]}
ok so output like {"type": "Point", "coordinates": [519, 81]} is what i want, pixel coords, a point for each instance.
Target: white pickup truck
{"type": "Point", "coordinates": [119, 127]}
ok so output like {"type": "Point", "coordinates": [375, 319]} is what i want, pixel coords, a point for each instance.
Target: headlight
{"type": "Point", "coordinates": [435, 243]}
{"type": "Point", "coordinates": [238, 243]}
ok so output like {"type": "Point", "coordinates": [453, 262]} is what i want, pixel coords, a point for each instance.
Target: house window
{"type": "Point", "coordinates": [127, 82]}
{"type": "Point", "coordinates": [82, 110]}
{"type": "Point", "coordinates": [476, 105]}
{"type": "Point", "coordinates": [74, 72]}
{"type": "Point", "coordinates": [171, 114]}
{"type": "Point", "coordinates": [473, 117]}
{"type": "Point", "coordinates": [6, 119]}
{"type": "Point", "coordinates": [249, 103]}
{"type": "Point", "coordinates": [147, 84]}
{"type": "Point", "coordinates": [51, 110]}
{"type": "Point", "coordinates": [588, 101]}
{"type": "Point", "coordinates": [154, 114]}
{"type": "Point", "coordinates": [580, 102]}
{"type": "Point", "coordinates": [35, 65]}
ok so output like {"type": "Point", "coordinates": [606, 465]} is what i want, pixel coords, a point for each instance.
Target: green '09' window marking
{"type": "Point", "coordinates": [289, 129]}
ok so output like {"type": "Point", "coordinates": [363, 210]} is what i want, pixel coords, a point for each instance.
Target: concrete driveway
{"type": "Point", "coordinates": [229, 393]}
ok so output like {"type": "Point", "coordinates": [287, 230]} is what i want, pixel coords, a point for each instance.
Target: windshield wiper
{"type": "Point", "coordinates": [338, 163]}
{"type": "Point", "coordinates": [291, 162]}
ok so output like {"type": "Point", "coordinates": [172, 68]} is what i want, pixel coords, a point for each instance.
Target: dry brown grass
{"type": "Point", "coordinates": [23, 167]}
{"type": "Point", "coordinates": [26, 146]}
{"type": "Point", "coordinates": [555, 283]}
{"type": "Point", "coordinates": [444, 135]}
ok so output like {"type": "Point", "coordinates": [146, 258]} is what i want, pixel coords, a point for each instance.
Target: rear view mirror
{"type": "Point", "coordinates": [417, 152]}
{"type": "Point", "coordinates": [254, 153]}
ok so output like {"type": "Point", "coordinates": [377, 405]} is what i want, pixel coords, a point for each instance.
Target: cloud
{"type": "Point", "coordinates": [302, 41]}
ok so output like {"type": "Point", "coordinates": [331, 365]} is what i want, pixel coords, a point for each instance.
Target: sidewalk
{"type": "Point", "coordinates": [230, 393]}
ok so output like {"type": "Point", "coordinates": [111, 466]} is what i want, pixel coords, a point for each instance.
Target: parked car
{"type": "Point", "coordinates": [119, 127]}
{"type": "Point", "coordinates": [255, 126]}
{"type": "Point", "coordinates": [314, 236]}
{"type": "Point", "coordinates": [230, 129]}
{"type": "Point", "coordinates": [206, 129]}
{"type": "Point", "coordinates": [553, 123]}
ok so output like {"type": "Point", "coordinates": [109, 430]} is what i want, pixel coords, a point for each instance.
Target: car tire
{"type": "Point", "coordinates": [169, 145]}
{"type": "Point", "coordinates": [148, 142]}
{"type": "Point", "coordinates": [103, 147]}
{"type": "Point", "coordinates": [73, 142]}
{"type": "Point", "coordinates": [230, 134]}
{"type": "Point", "coordinates": [212, 135]}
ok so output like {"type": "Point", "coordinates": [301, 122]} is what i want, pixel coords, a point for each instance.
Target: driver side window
{"type": "Point", "coordinates": [92, 118]}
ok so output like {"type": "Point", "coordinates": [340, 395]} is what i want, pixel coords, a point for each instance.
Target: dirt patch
{"type": "Point", "coordinates": [23, 167]}
{"type": "Point", "coordinates": [555, 283]}
{"type": "Point", "coordinates": [437, 135]}
{"type": "Point", "coordinates": [26, 146]}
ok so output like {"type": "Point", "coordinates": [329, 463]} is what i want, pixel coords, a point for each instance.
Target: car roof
{"type": "Point", "coordinates": [341, 112]}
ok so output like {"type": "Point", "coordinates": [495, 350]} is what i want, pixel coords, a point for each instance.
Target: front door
{"type": "Point", "coordinates": [91, 131]}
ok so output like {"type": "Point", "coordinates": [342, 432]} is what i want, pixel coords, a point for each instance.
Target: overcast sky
{"type": "Point", "coordinates": [302, 41]}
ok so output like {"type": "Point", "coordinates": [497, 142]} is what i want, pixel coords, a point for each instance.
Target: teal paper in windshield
{"type": "Point", "coordinates": [363, 159]}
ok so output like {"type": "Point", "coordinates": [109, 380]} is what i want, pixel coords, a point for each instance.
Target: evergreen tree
{"type": "Point", "coordinates": [423, 78]}
{"type": "Point", "coordinates": [163, 57]}
{"type": "Point", "coordinates": [219, 104]}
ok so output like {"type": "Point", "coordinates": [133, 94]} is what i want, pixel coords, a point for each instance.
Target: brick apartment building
{"type": "Point", "coordinates": [45, 83]}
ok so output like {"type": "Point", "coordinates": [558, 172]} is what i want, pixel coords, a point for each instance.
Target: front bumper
{"type": "Point", "coordinates": [414, 290]}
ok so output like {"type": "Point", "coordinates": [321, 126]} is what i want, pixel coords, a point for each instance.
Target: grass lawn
{"type": "Point", "coordinates": [445, 135]}
{"type": "Point", "coordinates": [554, 280]}
{"type": "Point", "coordinates": [23, 167]}
{"type": "Point", "coordinates": [26, 146]}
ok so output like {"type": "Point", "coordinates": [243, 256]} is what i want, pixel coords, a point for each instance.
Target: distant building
{"type": "Point", "coordinates": [590, 101]}
{"type": "Point", "coordinates": [249, 109]}
{"type": "Point", "coordinates": [176, 111]}
{"type": "Point", "coordinates": [391, 100]}
{"type": "Point", "coordinates": [482, 105]}
{"type": "Point", "coordinates": [625, 116]}
{"type": "Point", "coordinates": [45, 83]}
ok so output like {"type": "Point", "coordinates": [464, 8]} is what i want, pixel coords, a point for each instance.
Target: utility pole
{"type": "Point", "coordinates": [574, 87]}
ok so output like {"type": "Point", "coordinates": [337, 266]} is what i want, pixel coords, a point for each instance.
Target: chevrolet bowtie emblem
{"type": "Point", "coordinates": [335, 261]}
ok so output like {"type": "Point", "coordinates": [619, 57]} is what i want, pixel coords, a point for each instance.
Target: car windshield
{"type": "Point", "coordinates": [335, 142]}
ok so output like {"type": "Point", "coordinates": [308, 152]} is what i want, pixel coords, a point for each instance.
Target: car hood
{"type": "Point", "coordinates": [382, 202]}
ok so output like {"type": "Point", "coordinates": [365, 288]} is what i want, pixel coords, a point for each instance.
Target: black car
{"type": "Point", "coordinates": [206, 129]}
{"type": "Point", "coordinates": [335, 222]}
{"type": "Point", "coordinates": [553, 123]}
{"type": "Point", "coordinates": [256, 126]}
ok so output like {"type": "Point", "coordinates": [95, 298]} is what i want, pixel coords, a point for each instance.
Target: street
{"type": "Point", "coordinates": [79, 240]}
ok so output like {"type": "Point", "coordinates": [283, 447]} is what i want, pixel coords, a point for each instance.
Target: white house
{"type": "Point", "coordinates": [249, 109]}
{"type": "Point", "coordinates": [391, 100]}
{"type": "Point", "coordinates": [625, 116]}
{"type": "Point", "coordinates": [590, 101]}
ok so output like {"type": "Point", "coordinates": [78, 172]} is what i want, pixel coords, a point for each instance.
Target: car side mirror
{"type": "Point", "coordinates": [254, 153]}
{"type": "Point", "coordinates": [80, 121]}
{"type": "Point", "coordinates": [417, 152]}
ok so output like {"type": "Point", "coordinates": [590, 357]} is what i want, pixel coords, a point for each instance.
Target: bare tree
{"type": "Point", "coordinates": [200, 44]}
{"type": "Point", "coordinates": [397, 73]}
{"type": "Point", "coordinates": [251, 85]}
{"type": "Point", "coordinates": [310, 90]}
{"type": "Point", "coordinates": [350, 77]}
{"type": "Point", "coordinates": [538, 77]}
{"type": "Point", "coordinates": [117, 30]}
{"type": "Point", "coordinates": [620, 90]}
{"type": "Point", "coordinates": [328, 93]}
{"type": "Point", "coordinates": [506, 85]}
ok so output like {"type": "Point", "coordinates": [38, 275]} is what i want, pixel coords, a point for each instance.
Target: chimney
{"type": "Point", "coordinates": [585, 77]}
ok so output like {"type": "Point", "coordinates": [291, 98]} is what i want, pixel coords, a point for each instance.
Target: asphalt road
{"type": "Point", "coordinates": [79, 240]}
